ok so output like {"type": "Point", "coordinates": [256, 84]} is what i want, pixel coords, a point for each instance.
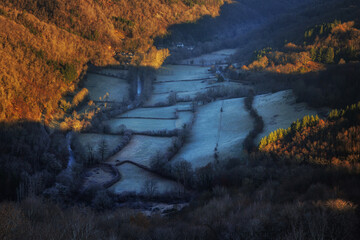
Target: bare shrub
{"type": "Point", "coordinates": [220, 191]}
{"type": "Point", "coordinates": [220, 92]}
{"type": "Point", "coordinates": [183, 172]}
{"type": "Point", "coordinates": [103, 149]}
{"type": "Point", "coordinates": [150, 188]}
{"type": "Point", "coordinates": [204, 177]}
{"type": "Point", "coordinates": [52, 163]}
{"type": "Point", "coordinates": [158, 163]}
{"type": "Point", "coordinates": [102, 200]}
{"type": "Point", "coordinates": [12, 222]}
{"type": "Point", "coordinates": [172, 98]}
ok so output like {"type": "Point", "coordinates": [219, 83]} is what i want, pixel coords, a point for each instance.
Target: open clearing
{"type": "Point", "coordinates": [184, 118]}
{"type": "Point", "coordinates": [140, 125]}
{"type": "Point", "coordinates": [151, 119]}
{"type": "Point", "coordinates": [94, 140]}
{"type": "Point", "coordinates": [181, 86]}
{"type": "Point", "coordinates": [279, 110]}
{"type": "Point", "coordinates": [157, 98]}
{"type": "Point", "coordinates": [235, 126]}
{"type": "Point", "coordinates": [218, 57]}
{"type": "Point", "coordinates": [185, 81]}
{"type": "Point", "coordinates": [163, 112]}
{"type": "Point", "coordinates": [98, 85]}
{"type": "Point", "coordinates": [133, 179]}
{"type": "Point", "coordinates": [226, 129]}
{"type": "Point", "coordinates": [156, 112]}
{"type": "Point", "coordinates": [221, 125]}
{"type": "Point", "coordinates": [113, 71]}
{"type": "Point", "coordinates": [97, 176]}
{"type": "Point", "coordinates": [170, 73]}
{"type": "Point", "coordinates": [188, 94]}
{"type": "Point", "coordinates": [142, 149]}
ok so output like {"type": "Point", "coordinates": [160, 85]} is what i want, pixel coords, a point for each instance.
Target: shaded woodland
{"type": "Point", "coordinates": [322, 67]}
{"type": "Point", "coordinates": [30, 159]}
{"type": "Point", "coordinates": [324, 44]}
{"type": "Point", "coordinates": [235, 21]}
{"type": "Point", "coordinates": [332, 142]}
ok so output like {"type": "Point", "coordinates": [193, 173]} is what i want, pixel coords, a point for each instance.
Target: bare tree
{"type": "Point", "coordinates": [103, 148]}
{"type": "Point", "coordinates": [183, 172]}
{"type": "Point", "coordinates": [158, 162]}
{"type": "Point", "coordinates": [150, 188]}
{"type": "Point", "coordinates": [172, 98]}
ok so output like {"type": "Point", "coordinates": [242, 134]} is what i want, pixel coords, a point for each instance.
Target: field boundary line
{"type": "Point", "coordinates": [148, 169]}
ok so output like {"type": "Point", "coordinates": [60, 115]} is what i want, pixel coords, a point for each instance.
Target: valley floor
{"type": "Point", "coordinates": [215, 131]}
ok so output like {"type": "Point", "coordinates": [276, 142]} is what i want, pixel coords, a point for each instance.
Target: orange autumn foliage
{"type": "Point", "coordinates": [324, 44]}
{"type": "Point", "coordinates": [45, 45]}
{"type": "Point", "coordinates": [332, 142]}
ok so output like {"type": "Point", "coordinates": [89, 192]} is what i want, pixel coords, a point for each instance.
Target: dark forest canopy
{"type": "Point", "coordinates": [235, 19]}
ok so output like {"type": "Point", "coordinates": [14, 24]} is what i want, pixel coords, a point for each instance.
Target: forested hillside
{"type": "Point", "coordinates": [313, 49]}
{"type": "Point", "coordinates": [45, 45]}
{"type": "Point", "coordinates": [331, 142]}
{"type": "Point", "coordinates": [328, 43]}
{"type": "Point", "coordinates": [291, 26]}
{"type": "Point", "coordinates": [235, 21]}
{"type": "Point", "coordinates": [321, 66]}
{"type": "Point", "coordinates": [241, 14]}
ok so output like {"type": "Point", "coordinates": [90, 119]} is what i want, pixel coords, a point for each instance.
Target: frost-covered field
{"type": "Point", "coordinates": [163, 97]}
{"type": "Point", "coordinates": [133, 179]}
{"type": "Point", "coordinates": [181, 86]}
{"type": "Point", "coordinates": [141, 149]}
{"type": "Point", "coordinates": [114, 71]}
{"type": "Point", "coordinates": [151, 119]}
{"type": "Point", "coordinates": [94, 140]}
{"type": "Point", "coordinates": [221, 57]}
{"type": "Point", "coordinates": [180, 72]}
{"type": "Point", "coordinates": [98, 85]}
{"type": "Point", "coordinates": [184, 118]}
{"type": "Point", "coordinates": [140, 125]}
{"type": "Point", "coordinates": [185, 81]}
{"type": "Point", "coordinates": [191, 93]}
{"type": "Point", "coordinates": [222, 124]}
{"type": "Point", "coordinates": [224, 129]}
{"type": "Point", "coordinates": [279, 110]}
{"type": "Point", "coordinates": [235, 126]}
{"type": "Point", "coordinates": [157, 98]}
{"type": "Point", "coordinates": [161, 112]}
{"type": "Point", "coordinates": [156, 112]}
{"type": "Point", "coordinates": [97, 176]}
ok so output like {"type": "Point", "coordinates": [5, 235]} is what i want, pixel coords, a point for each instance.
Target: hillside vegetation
{"type": "Point", "coordinates": [323, 44]}
{"type": "Point", "coordinates": [235, 21]}
{"type": "Point", "coordinates": [45, 45]}
{"type": "Point", "coordinates": [321, 65]}
{"type": "Point", "coordinates": [331, 142]}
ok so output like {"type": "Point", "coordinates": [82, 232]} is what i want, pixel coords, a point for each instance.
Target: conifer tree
{"type": "Point", "coordinates": [329, 55]}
